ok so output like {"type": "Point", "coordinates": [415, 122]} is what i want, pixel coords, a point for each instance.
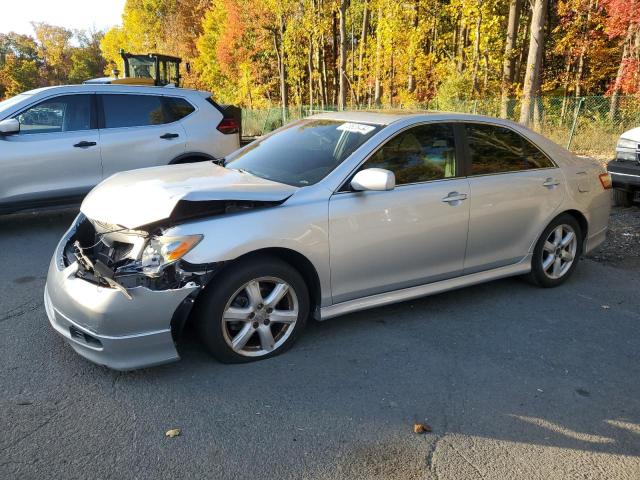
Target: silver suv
{"type": "Point", "coordinates": [57, 143]}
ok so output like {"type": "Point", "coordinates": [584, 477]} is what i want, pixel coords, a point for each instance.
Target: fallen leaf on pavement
{"type": "Point", "coordinates": [174, 432]}
{"type": "Point", "coordinates": [421, 428]}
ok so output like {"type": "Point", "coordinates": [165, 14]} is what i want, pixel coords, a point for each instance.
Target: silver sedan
{"type": "Point", "coordinates": [329, 215]}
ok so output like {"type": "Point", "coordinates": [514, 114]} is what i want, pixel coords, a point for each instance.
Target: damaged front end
{"type": "Point", "coordinates": [120, 258]}
{"type": "Point", "coordinates": [123, 259]}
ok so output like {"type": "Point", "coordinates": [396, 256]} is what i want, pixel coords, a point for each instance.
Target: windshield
{"type": "Point", "coordinates": [304, 152]}
{"type": "Point", "coordinates": [10, 102]}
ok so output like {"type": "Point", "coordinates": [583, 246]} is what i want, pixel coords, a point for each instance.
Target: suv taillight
{"type": "Point", "coordinates": [605, 180]}
{"type": "Point", "coordinates": [228, 126]}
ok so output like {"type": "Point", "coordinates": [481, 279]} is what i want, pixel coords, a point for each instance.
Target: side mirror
{"type": "Point", "coordinates": [373, 179]}
{"type": "Point", "coordinates": [9, 126]}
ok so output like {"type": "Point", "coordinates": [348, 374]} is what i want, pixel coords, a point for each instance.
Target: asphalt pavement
{"type": "Point", "coordinates": [515, 381]}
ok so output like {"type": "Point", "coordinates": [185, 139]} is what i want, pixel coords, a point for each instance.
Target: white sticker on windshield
{"type": "Point", "coordinates": [356, 128]}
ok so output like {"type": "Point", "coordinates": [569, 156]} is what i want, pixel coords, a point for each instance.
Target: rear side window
{"type": "Point", "coordinates": [496, 149]}
{"type": "Point", "coordinates": [419, 154]}
{"type": "Point", "coordinates": [67, 113]}
{"type": "Point", "coordinates": [178, 108]}
{"type": "Point", "coordinates": [133, 110]}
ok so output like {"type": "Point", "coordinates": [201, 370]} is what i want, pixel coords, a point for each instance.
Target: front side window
{"type": "Point", "coordinates": [304, 152]}
{"type": "Point", "coordinates": [496, 149]}
{"type": "Point", "coordinates": [67, 113]}
{"type": "Point", "coordinates": [133, 110]}
{"type": "Point", "coordinates": [420, 154]}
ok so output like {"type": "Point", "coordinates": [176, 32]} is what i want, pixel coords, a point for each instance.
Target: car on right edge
{"type": "Point", "coordinates": [625, 169]}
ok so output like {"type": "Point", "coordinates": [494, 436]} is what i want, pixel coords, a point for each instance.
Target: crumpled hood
{"type": "Point", "coordinates": [139, 197]}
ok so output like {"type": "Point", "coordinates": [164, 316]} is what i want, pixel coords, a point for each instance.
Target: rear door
{"type": "Point", "coordinates": [138, 130]}
{"type": "Point", "coordinates": [515, 190]}
{"type": "Point", "coordinates": [414, 234]}
{"type": "Point", "coordinates": [56, 154]}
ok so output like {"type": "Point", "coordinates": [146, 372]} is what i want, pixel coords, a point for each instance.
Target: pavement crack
{"type": "Point", "coordinates": [20, 310]}
{"type": "Point", "coordinates": [39, 427]}
{"type": "Point", "coordinates": [431, 462]}
{"type": "Point", "coordinates": [469, 462]}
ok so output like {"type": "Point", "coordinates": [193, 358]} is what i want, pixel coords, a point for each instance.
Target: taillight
{"type": "Point", "coordinates": [228, 126]}
{"type": "Point", "coordinates": [605, 180]}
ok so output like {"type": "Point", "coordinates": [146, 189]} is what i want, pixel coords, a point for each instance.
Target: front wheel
{"type": "Point", "coordinates": [557, 252]}
{"type": "Point", "coordinates": [254, 310]}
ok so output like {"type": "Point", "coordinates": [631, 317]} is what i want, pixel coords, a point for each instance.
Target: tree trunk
{"type": "Point", "coordinates": [377, 93]}
{"type": "Point", "coordinates": [617, 86]}
{"type": "Point", "coordinates": [392, 74]}
{"type": "Point", "coordinates": [322, 65]}
{"type": "Point", "coordinates": [462, 45]}
{"type": "Point", "coordinates": [282, 71]}
{"type": "Point", "coordinates": [363, 44]}
{"type": "Point", "coordinates": [334, 59]}
{"type": "Point", "coordinates": [476, 55]}
{"type": "Point", "coordinates": [534, 59]}
{"type": "Point", "coordinates": [583, 50]}
{"type": "Point", "coordinates": [342, 95]}
{"type": "Point", "coordinates": [310, 66]}
{"type": "Point", "coordinates": [565, 89]}
{"type": "Point", "coordinates": [411, 82]}
{"type": "Point", "coordinates": [508, 61]}
{"type": "Point", "coordinates": [518, 75]}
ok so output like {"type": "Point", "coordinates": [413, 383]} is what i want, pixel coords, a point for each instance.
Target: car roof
{"type": "Point", "coordinates": [97, 87]}
{"type": "Point", "coordinates": [391, 116]}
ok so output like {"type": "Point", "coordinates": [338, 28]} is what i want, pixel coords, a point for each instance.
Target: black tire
{"type": "Point", "coordinates": [538, 275]}
{"type": "Point", "coordinates": [621, 198]}
{"type": "Point", "coordinates": [209, 314]}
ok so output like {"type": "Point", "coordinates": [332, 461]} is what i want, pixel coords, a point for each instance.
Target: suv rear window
{"type": "Point", "coordinates": [178, 108]}
{"type": "Point", "coordinates": [133, 110]}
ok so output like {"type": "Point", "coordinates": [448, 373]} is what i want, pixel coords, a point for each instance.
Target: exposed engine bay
{"type": "Point", "coordinates": [115, 257]}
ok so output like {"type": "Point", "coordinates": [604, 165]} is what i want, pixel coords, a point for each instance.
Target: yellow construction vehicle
{"type": "Point", "coordinates": [150, 69]}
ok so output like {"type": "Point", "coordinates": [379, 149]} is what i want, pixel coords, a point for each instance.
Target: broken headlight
{"type": "Point", "coordinates": [163, 251]}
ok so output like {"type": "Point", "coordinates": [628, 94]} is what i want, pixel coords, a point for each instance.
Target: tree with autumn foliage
{"type": "Point", "coordinates": [361, 53]}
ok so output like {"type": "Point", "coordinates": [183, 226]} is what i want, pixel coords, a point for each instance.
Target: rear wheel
{"type": "Point", "coordinates": [254, 310]}
{"type": "Point", "coordinates": [622, 198]}
{"type": "Point", "coordinates": [557, 252]}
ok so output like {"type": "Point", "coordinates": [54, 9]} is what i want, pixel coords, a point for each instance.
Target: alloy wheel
{"type": "Point", "coordinates": [559, 251]}
{"type": "Point", "coordinates": [260, 316]}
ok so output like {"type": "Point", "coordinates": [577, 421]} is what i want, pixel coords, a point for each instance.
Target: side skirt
{"type": "Point", "coordinates": [522, 267]}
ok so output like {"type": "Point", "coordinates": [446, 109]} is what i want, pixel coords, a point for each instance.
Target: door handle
{"type": "Point", "coordinates": [169, 136]}
{"type": "Point", "coordinates": [454, 197]}
{"type": "Point", "coordinates": [84, 144]}
{"type": "Point", "coordinates": [550, 183]}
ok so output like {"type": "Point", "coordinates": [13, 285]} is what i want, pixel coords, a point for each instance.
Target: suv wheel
{"type": "Point", "coordinates": [557, 252]}
{"type": "Point", "coordinates": [254, 310]}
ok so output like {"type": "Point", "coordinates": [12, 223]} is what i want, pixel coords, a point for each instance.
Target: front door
{"type": "Point", "coordinates": [55, 156]}
{"type": "Point", "coordinates": [408, 236]}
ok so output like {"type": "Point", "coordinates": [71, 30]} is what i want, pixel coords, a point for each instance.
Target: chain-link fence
{"type": "Point", "coordinates": [586, 125]}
